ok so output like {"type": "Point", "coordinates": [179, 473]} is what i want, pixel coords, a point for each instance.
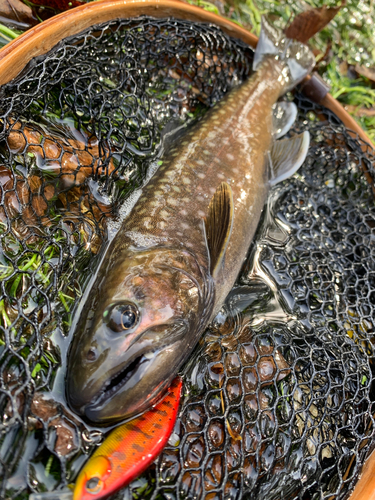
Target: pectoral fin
{"type": "Point", "coordinates": [284, 115]}
{"type": "Point", "coordinates": [218, 225]}
{"type": "Point", "coordinates": [287, 155]}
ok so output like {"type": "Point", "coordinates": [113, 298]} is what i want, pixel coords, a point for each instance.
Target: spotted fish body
{"type": "Point", "coordinates": [174, 260]}
{"type": "Point", "coordinates": [229, 145]}
{"type": "Point", "coordinates": [129, 449]}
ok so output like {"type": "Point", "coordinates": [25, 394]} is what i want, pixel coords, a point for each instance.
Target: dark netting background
{"type": "Point", "coordinates": [279, 398]}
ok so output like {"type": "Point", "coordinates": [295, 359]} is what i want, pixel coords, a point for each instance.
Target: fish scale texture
{"type": "Point", "coordinates": [278, 397]}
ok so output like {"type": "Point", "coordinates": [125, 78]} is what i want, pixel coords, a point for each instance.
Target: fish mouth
{"type": "Point", "coordinates": [115, 383]}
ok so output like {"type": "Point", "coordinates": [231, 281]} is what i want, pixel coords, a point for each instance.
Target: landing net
{"type": "Point", "coordinates": [279, 394]}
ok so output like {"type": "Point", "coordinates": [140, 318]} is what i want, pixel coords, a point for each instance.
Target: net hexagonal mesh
{"type": "Point", "coordinates": [278, 397]}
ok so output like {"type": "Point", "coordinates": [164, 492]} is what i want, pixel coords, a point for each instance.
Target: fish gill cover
{"type": "Point", "coordinates": [279, 397]}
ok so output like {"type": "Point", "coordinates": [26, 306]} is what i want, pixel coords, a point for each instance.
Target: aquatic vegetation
{"type": "Point", "coordinates": [7, 34]}
{"type": "Point", "coordinates": [27, 283]}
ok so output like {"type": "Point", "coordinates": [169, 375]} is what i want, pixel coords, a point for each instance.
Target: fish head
{"type": "Point", "coordinates": [139, 325]}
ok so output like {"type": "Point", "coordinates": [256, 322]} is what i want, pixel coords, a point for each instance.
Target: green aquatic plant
{"type": "Point", "coordinates": [7, 34]}
{"type": "Point", "coordinates": [29, 275]}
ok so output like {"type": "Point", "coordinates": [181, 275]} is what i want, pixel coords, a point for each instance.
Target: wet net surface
{"type": "Point", "coordinates": [279, 394]}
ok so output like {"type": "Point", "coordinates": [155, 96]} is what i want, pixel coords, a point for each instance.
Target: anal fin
{"type": "Point", "coordinates": [287, 155]}
{"type": "Point", "coordinates": [218, 224]}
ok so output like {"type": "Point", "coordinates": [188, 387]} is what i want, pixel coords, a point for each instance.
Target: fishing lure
{"type": "Point", "coordinates": [129, 449]}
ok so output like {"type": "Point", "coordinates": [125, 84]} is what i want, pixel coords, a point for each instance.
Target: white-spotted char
{"type": "Point", "coordinates": [178, 253]}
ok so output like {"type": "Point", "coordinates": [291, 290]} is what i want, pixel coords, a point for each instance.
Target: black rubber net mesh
{"type": "Point", "coordinates": [278, 396]}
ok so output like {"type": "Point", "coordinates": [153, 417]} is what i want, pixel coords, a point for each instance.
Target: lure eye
{"type": "Point", "coordinates": [94, 485]}
{"type": "Point", "coordinates": [121, 317]}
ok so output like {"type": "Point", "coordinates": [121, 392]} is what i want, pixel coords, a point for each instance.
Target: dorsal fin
{"type": "Point", "coordinates": [218, 224]}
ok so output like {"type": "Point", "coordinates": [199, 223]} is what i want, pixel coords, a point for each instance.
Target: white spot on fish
{"type": "Point", "coordinates": [172, 202]}
{"type": "Point", "coordinates": [162, 224]}
{"type": "Point", "coordinates": [164, 214]}
{"type": "Point", "coordinates": [200, 162]}
{"type": "Point", "coordinates": [206, 152]}
{"type": "Point", "coordinates": [183, 211]}
{"type": "Point", "coordinates": [200, 198]}
{"type": "Point", "coordinates": [230, 157]}
{"type": "Point", "coordinates": [201, 213]}
{"type": "Point", "coordinates": [184, 225]}
{"type": "Point", "coordinates": [186, 180]}
{"type": "Point", "coordinates": [220, 175]}
{"type": "Point", "coordinates": [201, 176]}
{"type": "Point", "coordinates": [177, 189]}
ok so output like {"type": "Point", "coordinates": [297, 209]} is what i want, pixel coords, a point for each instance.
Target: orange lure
{"type": "Point", "coordinates": [129, 449]}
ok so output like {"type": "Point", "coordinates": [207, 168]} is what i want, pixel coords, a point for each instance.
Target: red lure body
{"type": "Point", "coordinates": [129, 449]}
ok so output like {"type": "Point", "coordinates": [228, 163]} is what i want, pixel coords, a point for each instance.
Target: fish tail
{"type": "Point", "coordinates": [297, 58]}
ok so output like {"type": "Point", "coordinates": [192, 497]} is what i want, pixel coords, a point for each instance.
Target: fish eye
{"type": "Point", "coordinates": [121, 317]}
{"type": "Point", "coordinates": [94, 485]}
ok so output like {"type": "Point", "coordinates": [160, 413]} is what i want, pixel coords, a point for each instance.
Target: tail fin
{"type": "Point", "coordinates": [298, 58]}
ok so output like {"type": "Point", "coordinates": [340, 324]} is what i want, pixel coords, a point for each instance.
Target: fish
{"type": "Point", "coordinates": [176, 256]}
{"type": "Point", "coordinates": [129, 449]}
